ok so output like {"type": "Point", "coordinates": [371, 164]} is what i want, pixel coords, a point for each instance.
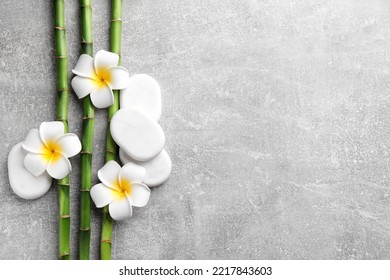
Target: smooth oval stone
{"type": "Point", "coordinates": [137, 134]}
{"type": "Point", "coordinates": [158, 169]}
{"type": "Point", "coordinates": [143, 94]}
{"type": "Point", "coordinates": [22, 182]}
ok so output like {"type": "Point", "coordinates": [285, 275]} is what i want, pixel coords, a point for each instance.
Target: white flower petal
{"type": "Point", "coordinates": [22, 182]}
{"type": "Point", "coordinates": [143, 93]}
{"type": "Point", "coordinates": [35, 163]}
{"type": "Point", "coordinates": [84, 67]}
{"type": "Point", "coordinates": [83, 86]}
{"type": "Point", "coordinates": [132, 172]}
{"type": "Point", "coordinates": [33, 142]}
{"type": "Point", "coordinates": [102, 97]}
{"type": "Point", "coordinates": [51, 131]}
{"type": "Point", "coordinates": [109, 174]}
{"type": "Point", "coordinates": [120, 209]}
{"type": "Point", "coordinates": [102, 195]}
{"type": "Point", "coordinates": [60, 168]}
{"type": "Point", "coordinates": [70, 144]}
{"type": "Point", "coordinates": [119, 77]}
{"type": "Point", "coordinates": [157, 169]}
{"type": "Point", "coordinates": [140, 194]}
{"type": "Point", "coordinates": [105, 60]}
{"type": "Point", "coordinates": [138, 135]}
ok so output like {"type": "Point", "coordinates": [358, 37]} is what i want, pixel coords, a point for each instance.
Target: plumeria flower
{"type": "Point", "coordinates": [121, 189]}
{"type": "Point", "coordinates": [49, 149]}
{"type": "Point", "coordinates": [98, 77]}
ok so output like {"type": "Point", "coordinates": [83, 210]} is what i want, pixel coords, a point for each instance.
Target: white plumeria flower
{"type": "Point", "coordinates": [98, 77]}
{"type": "Point", "coordinates": [121, 188]}
{"type": "Point", "coordinates": [49, 149]}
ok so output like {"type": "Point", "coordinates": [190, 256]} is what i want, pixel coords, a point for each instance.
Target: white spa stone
{"type": "Point", "coordinates": [143, 93]}
{"type": "Point", "coordinates": [138, 135]}
{"type": "Point", "coordinates": [158, 169]}
{"type": "Point", "coordinates": [22, 182]}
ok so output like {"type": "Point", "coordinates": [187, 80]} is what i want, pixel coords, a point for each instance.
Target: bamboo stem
{"type": "Point", "coordinates": [62, 115]}
{"type": "Point", "coordinates": [87, 139]}
{"type": "Point", "coordinates": [111, 147]}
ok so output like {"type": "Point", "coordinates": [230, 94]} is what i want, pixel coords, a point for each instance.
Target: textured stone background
{"type": "Point", "coordinates": [277, 120]}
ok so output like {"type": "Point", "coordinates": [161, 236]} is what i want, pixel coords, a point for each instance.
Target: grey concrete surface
{"type": "Point", "coordinates": [276, 115]}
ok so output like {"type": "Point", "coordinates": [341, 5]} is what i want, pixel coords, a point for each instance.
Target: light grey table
{"type": "Point", "coordinates": [276, 115]}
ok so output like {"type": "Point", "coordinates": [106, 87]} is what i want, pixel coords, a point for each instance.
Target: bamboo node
{"type": "Point", "coordinates": [84, 190]}
{"type": "Point", "coordinates": [85, 229]}
{"type": "Point", "coordinates": [59, 27]}
{"type": "Point", "coordinates": [106, 241]}
{"type": "Point", "coordinates": [88, 118]}
{"type": "Point", "coordinates": [61, 56]}
{"type": "Point", "coordinates": [116, 19]}
{"type": "Point", "coordinates": [110, 151]}
{"type": "Point", "coordinates": [62, 90]}
{"type": "Point", "coordinates": [85, 6]}
{"type": "Point", "coordinates": [63, 255]}
{"type": "Point", "coordinates": [65, 216]}
{"type": "Point", "coordinates": [63, 185]}
{"type": "Point", "coordinates": [86, 42]}
{"type": "Point", "coordinates": [86, 152]}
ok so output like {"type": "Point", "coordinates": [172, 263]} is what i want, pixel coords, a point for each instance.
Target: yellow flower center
{"type": "Point", "coordinates": [103, 76]}
{"type": "Point", "coordinates": [51, 151]}
{"type": "Point", "coordinates": [123, 188]}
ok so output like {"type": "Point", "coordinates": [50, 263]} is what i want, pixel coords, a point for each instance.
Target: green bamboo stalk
{"type": "Point", "coordinates": [62, 115]}
{"type": "Point", "coordinates": [111, 147]}
{"type": "Point", "coordinates": [87, 139]}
